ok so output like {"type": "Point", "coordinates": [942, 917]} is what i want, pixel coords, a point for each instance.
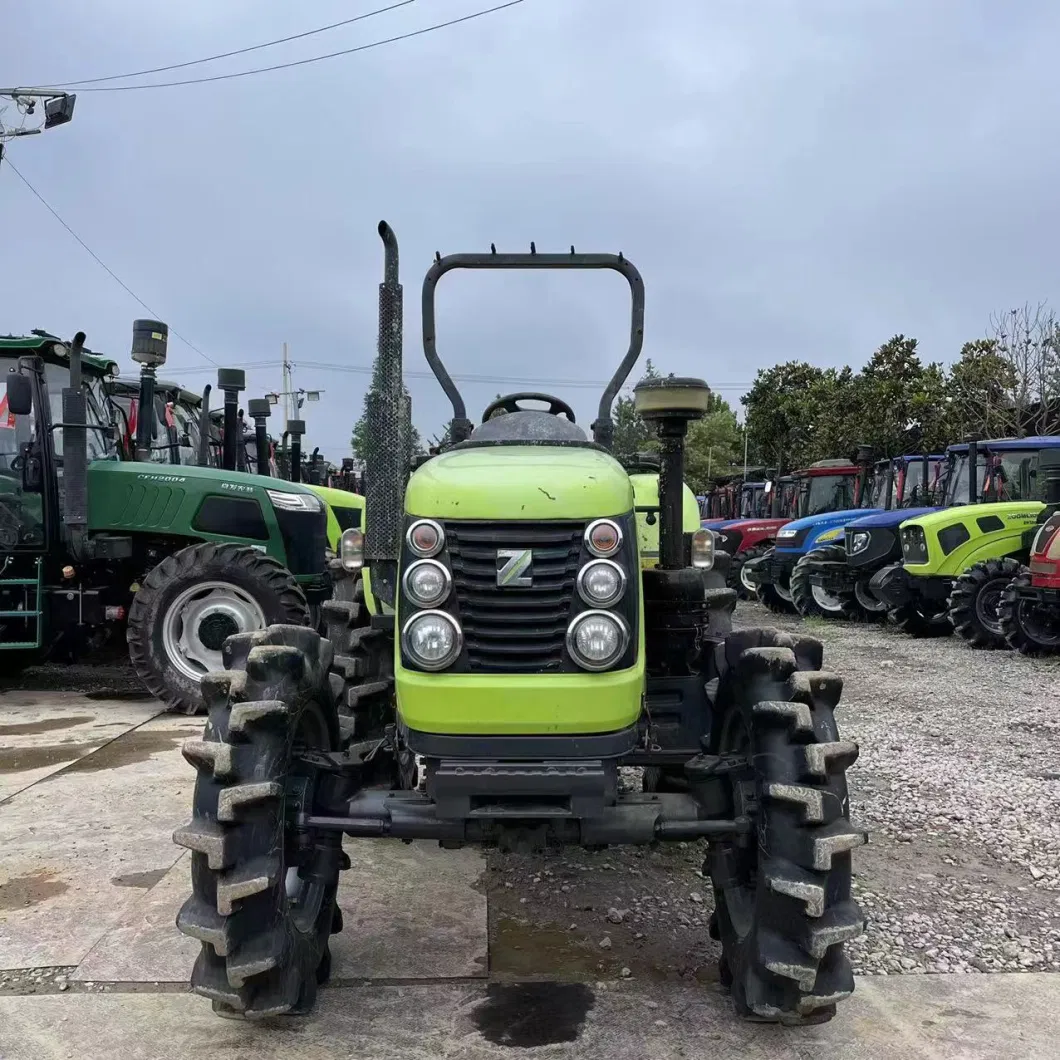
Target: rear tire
{"type": "Point", "coordinates": [176, 636]}
{"type": "Point", "coordinates": [783, 895]}
{"type": "Point", "coordinates": [1028, 628]}
{"type": "Point", "coordinates": [811, 601]}
{"type": "Point", "coordinates": [745, 589]}
{"type": "Point", "coordinates": [263, 892]}
{"type": "Point", "coordinates": [974, 600]}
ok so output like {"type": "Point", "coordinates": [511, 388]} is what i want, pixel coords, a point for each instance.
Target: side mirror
{"type": "Point", "coordinates": [19, 394]}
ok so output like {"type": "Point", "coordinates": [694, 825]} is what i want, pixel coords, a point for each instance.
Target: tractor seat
{"type": "Point", "coordinates": [530, 426]}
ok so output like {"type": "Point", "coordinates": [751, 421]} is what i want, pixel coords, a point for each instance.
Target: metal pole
{"type": "Point", "coordinates": [745, 434]}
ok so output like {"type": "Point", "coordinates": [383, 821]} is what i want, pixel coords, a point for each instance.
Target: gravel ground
{"type": "Point", "coordinates": [958, 783]}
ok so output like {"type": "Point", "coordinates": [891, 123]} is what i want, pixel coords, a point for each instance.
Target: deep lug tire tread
{"type": "Point", "coordinates": [280, 596]}
{"type": "Point", "coordinates": [911, 620]}
{"type": "Point", "coordinates": [1016, 635]}
{"type": "Point", "coordinates": [801, 590]}
{"type": "Point", "coordinates": [790, 967]}
{"type": "Point", "coordinates": [255, 962]}
{"type": "Point", "coordinates": [961, 605]}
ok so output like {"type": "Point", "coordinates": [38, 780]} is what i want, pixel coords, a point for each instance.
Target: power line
{"type": "Point", "coordinates": [101, 263]}
{"type": "Point", "coordinates": [240, 51]}
{"type": "Point", "coordinates": [313, 59]}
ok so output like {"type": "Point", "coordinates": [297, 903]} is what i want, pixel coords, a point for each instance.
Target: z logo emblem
{"type": "Point", "coordinates": [513, 568]}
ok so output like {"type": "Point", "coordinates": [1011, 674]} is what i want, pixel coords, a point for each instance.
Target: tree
{"type": "Point", "coordinates": [976, 393]}
{"type": "Point", "coordinates": [714, 445]}
{"type": "Point", "coordinates": [632, 434]}
{"type": "Point", "coordinates": [1027, 341]}
{"type": "Point", "coordinates": [359, 441]}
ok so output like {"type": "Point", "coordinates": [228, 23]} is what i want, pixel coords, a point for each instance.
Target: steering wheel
{"type": "Point", "coordinates": [510, 403]}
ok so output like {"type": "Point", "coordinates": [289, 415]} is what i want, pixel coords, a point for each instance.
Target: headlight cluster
{"type": "Point", "coordinates": [598, 638]}
{"type": "Point", "coordinates": [857, 542]}
{"type": "Point", "coordinates": [914, 544]}
{"type": "Point", "coordinates": [432, 639]}
{"type": "Point", "coordinates": [295, 502]}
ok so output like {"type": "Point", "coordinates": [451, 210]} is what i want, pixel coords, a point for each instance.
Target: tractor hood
{"type": "Point", "coordinates": [891, 519]}
{"type": "Point", "coordinates": [520, 482]}
{"type": "Point", "coordinates": [814, 530]}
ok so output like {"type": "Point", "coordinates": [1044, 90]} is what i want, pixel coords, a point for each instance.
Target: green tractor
{"type": "Point", "coordinates": [957, 562]}
{"type": "Point", "coordinates": [174, 558]}
{"type": "Point", "coordinates": [525, 655]}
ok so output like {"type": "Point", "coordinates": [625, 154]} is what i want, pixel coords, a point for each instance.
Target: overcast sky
{"type": "Point", "coordinates": [794, 179]}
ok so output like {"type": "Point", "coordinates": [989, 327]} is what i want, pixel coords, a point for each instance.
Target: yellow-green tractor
{"type": "Point", "coordinates": [524, 651]}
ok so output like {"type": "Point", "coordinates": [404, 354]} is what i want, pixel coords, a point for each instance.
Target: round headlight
{"type": "Point", "coordinates": [432, 640]}
{"type": "Point", "coordinates": [425, 538]}
{"type": "Point", "coordinates": [427, 582]}
{"type": "Point", "coordinates": [603, 538]}
{"type": "Point", "coordinates": [601, 583]}
{"type": "Point", "coordinates": [596, 640]}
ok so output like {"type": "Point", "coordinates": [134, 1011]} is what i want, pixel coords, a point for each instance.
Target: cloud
{"type": "Point", "coordinates": [794, 178]}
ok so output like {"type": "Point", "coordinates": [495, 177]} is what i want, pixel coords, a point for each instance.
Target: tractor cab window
{"type": "Point", "coordinates": [1013, 476]}
{"type": "Point", "coordinates": [878, 492]}
{"type": "Point", "coordinates": [187, 424]}
{"type": "Point", "coordinates": [957, 478]}
{"type": "Point", "coordinates": [826, 493]}
{"type": "Point", "coordinates": [97, 437]}
{"type": "Point", "coordinates": [21, 511]}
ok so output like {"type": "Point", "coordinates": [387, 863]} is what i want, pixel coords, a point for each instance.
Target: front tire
{"type": "Point", "coordinates": [919, 622]}
{"type": "Point", "coordinates": [738, 580]}
{"type": "Point", "coordinates": [812, 601]}
{"type": "Point", "coordinates": [263, 890]}
{"type": "Point", "coordinates": [783, 893]}
{"type": "Point", "coordinates": [974, 600]}
{"type": "Point", "coordinates": [191, 602]}
{"type": "Point", "coordinates": [1030, 628]}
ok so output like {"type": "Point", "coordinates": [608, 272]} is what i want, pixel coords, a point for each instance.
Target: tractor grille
{"type": "Point", "coordinates": [514, 630]}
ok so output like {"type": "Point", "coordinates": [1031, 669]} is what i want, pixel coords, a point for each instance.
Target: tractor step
{"type": "Point", "coordinates": [29, 589]}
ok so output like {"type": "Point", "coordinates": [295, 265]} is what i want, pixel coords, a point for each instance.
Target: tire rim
{"type": "Point", "coordinates": [825, 600]}
{"type": "Point", "coordinates": [199, 621]}
{"type": "Point", "coordinates": [865, 599]}
{"type": "Point", "coordinates": [745, 581]}
{"type": "Point", "coordinates": [1039, 624]}
{"type": "Point", "coordinates": [302, 849]}
{"type": "Point", "coordinates": [783, 591]}
{"type": "Point", "coordinates": [986, 603]}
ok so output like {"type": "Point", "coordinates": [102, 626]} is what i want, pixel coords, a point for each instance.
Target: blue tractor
{"type": "Point", "coordinates": [839, 573]}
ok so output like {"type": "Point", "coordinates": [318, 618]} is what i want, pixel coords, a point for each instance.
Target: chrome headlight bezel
{"type": "Point", "coordinates": [592, 548]}
{"type": "Point", "coordinates": [588, 664]}
{"type": "Point", "coordinates": [591, 600]}
{"type": "Point", "coordinates": [294, 502]}
{"type": "Point", "coordinates": [407, 585]}
{"type": "Point", "coordinates": [433, 666]}
{"type": "Point", "coordinates": [421, 553]}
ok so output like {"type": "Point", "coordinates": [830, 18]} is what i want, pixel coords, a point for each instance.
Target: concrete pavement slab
{"type": "Point", "coordinates": [81, 846]}
{"type": "Point", "coordinates": [43, 732]}
{"type": "Point", "coordinates": [410, 912]}
{"type": "Point", "coordinates": [1002, 1017]}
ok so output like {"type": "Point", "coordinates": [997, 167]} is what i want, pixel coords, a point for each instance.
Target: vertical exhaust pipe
{"type": "Point", "coordinates": [75, 451]}
{"type": "Point", "coordinates": [230, 381]}
{"type": "Point", "coordinates": [389, 432]}
{"type": "Point", "coordinates": [296, 428]}
{"type": "Point", "coordinates": [926, 492]}
{"type": "Point", "coordinates": [973, 469]}
{"type": "Point", "coordinates": [314, 467]}
{"type": "Point", "coordinates": [202, 457]}
{"type": "Point", "coordinates": [259, 411]}
{"type": "Point", "coordinates": [888, 503]}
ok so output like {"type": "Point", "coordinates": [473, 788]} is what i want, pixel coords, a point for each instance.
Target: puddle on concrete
{"type": "Point", "coordinates": [29, 728]}
{"type": "Point", "coordinates": [140, 879]}
{"type": "Point", "coordinates": [532, 1015]}
{"type": "Point", "coordinates": [135, 746]}
{"type": "Point", "coordinates": [23, 759]}
{"type": "Point", "coordinates": [22, 891]}
{"type": "Point", "coordinates": [522, 949]}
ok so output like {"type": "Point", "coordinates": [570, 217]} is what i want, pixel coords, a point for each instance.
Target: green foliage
{"type": "Point", "coordinates": [632, 434]}
{"type": "Point", "coordinates": [359, 436]}
{"type": "Point", "coordinates": [714, 445]}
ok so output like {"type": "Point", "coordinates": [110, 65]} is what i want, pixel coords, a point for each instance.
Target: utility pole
{"type": "Point", "coordinates": [745, 433]}
{"type": "Point", "coordinates": [58, 110]}
{"type": "Point", "coordinates": [287, 388]}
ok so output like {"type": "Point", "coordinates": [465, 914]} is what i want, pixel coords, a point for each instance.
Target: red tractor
{"type": "Point", "coordinates": [824, 486]}
{"type": "Point", "coordinates": [1029, 610]}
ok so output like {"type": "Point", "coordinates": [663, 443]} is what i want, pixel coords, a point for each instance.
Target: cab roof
{"type": "Point", "coordinates": [53, 350]}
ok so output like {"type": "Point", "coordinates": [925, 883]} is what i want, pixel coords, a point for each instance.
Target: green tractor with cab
{"type": "Point", "coordinates": [172, 558]}
{"type": "Point", "coordinates": [957, 562]}
{"type": "Point", "coordinates": [524, 651]}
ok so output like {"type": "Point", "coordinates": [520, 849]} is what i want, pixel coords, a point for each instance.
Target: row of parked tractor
{"type": "Point", "coordinates": [966, 541]}
{"type": "Point", "coordinates": [132, 513]}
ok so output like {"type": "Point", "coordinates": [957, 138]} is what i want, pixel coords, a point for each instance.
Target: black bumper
{"type": "Point", "coordinates": [1035, 594]}
{"type": "Point", "coordinates": [896, 587]}
{"type": "Point", "coordinates": [772, 569]}
{"type": "Point", "coordinates": [835, 578]}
